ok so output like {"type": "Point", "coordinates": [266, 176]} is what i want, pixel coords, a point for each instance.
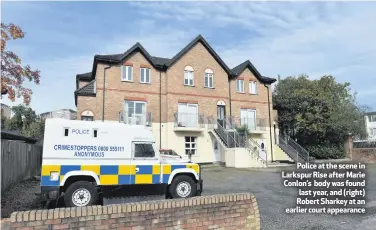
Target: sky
{"type": "Point", "coordinates": [279, 38]}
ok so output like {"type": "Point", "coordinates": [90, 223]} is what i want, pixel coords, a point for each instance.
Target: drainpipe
{"type": "Point", "coordinates": [270, 124]}
{"type": "Point", "coordinates": [160, 109]}
{"type": "Point", "coordinates": [229, 86]}
{"type": "Point", "coordinates": [104, 89]}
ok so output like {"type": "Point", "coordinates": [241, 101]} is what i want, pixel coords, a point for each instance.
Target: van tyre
{"type": "Point", "coordinates": [80, 194]}
{"type": "Point", "coordinates": [183, 187]}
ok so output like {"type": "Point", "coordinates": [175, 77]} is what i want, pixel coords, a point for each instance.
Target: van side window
{"type": "Point", "coordinates": [143, 150]}
{"type": "Point", "coordinates": [66, 131]}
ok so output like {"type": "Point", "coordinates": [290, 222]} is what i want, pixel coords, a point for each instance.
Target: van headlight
{"type": "Point", "coordinates": [54, 176]}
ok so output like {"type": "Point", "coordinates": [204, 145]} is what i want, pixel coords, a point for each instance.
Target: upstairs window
{"type": "Point", "coordinates": [145, 75]}
{"type": "Point", "coordinates": [253, 87]}
{"type": "Point", "coordinates": [240, 86]}
{"type": "Point", "coordinates": [188, 76]}
{"type": "Point", "coordinates": [209, 79]}
{"type": "Point", "coordinates": [126, 73]}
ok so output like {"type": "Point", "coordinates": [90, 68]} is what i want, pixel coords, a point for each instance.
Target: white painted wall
{"type": "Point", "coordinates": [370, 125]}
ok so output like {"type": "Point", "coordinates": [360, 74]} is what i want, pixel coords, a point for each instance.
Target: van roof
{"type": "Point", "coordinates": [62, 121]}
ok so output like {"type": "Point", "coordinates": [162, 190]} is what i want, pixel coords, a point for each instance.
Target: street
{"type": "Point", "coordinates": [265, 184]}
{"type": "Point", "coordinates": [273, 198]}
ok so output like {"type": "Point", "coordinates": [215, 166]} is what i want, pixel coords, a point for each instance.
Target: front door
{"type": "Point", "coordinates": [221, 114]}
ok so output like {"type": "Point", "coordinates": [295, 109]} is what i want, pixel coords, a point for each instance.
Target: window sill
{"type": "Point", "coordinates": [209, 87]}
{"type": "Point", "coordinates": [189, 85]}
{"type": "Point", "coordinates": [241, 92]}
{"type": "Point", "coordinates": [127, 81]}
{"type": "Point", "coordinates": [146, 83]}
{"type": "Point", "coordinates": [253, 94]}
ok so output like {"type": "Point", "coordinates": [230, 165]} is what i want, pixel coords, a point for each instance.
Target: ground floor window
{"type": "Point", "coordinates": [190, 145]}
{"type": "Point", "coordinates": [87, 118]}
{"type": "Point", "coordinates": [372, 132]}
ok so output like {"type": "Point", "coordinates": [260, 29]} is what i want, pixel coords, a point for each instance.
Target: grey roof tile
{"type": "Point", "coordinates": [87, 89]}
{"type": "Point", "coordinates": [160, 60]}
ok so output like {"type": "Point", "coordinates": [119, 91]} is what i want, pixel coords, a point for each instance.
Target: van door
{"type": "Point", "coordinates": [146, 164]}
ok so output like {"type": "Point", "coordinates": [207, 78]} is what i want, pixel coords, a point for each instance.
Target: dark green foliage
{"type": "Point", "coordinates": [320, 113]}
{"type": "Point", "coordinates": [25, 121]}
{"type": "Point", "coordinates": [326, 151]}
{"type": "Point", "coordinates": [242, 129]}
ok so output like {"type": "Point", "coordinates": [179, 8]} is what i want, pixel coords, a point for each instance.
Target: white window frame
{"type": "Point", "coordinates": [246, 123]}
{"type": "Point", "coordinates": [237, 88]}
{"type": "Point", "coordinates": [145, 70]}
{"type": "Point", "coordinates": [250, 87]}
{"type": "Point", "coordinates": [209, 76]}
{"type": "Point", "coordinates": [190, 145]}
{"type": "Point", "coordinates": [126, 77]}
{"type": "Point", "coordinates": [372, 131]}
{"type": "Point", "coordinates": [189, 75]}
{"type": "Point", "coordinates": [134, 114]}
{"type": "Point", "coordinates": [185, 117]}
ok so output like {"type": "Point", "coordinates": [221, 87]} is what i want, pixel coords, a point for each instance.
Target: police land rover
{"type": "Point", "coordinates": [86, 161]}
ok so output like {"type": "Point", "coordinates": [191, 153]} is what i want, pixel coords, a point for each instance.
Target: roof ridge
{"type": "Point", "coordinates": [237, 70]}
{"type": "Point", "coordinates": [190, 45]}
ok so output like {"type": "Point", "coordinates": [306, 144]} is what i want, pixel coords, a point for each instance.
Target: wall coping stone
{"type": "Point", "coordinates": [90, 211]}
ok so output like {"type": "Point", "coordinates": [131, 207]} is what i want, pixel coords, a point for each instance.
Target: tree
{"type": "Point", "coordinates": [13, 74]}
{"type": "Point", "coordinates": [319, 114]}
{"type": "Point", "coordinates": [26, 122]}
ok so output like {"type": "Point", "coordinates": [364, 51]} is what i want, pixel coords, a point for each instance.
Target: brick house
{"type": "Point", "coordinates": [192, 102]}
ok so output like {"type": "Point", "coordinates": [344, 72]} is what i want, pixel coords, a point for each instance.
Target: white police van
{"type": "Point", "coordinates": [84, 161]}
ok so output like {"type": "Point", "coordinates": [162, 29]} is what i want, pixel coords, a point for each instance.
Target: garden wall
{"type": "Point", "coordinates": [366, 155]}
{"type": "Point", "coordinates": [230, 211]}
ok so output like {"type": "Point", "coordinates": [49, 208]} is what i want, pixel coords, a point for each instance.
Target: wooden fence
{"type": "Point", "coordinates": [19, 161]}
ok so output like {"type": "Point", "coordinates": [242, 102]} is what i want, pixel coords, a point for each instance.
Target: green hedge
{"type": "Point", "coordinates": [326, 151]}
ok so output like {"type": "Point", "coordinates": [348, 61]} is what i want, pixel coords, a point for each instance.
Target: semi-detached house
{"type": "Point", "coordinates": [192, 102]}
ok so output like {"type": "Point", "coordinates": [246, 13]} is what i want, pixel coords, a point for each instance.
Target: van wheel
{"type": "Point", "coordinates": [80, 193]}
{"type": "Point", "coordinates": [182, 187]}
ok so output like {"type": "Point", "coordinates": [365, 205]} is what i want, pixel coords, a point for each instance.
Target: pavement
{"type": "Point", "coordinates": [273, 198]}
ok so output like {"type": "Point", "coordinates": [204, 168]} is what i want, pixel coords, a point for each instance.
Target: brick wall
{"type": "Point", "coordinates": [232, 211]}
{"type": "Point", "coordinates": [367, 155]}
{"type": "Point", "coordinates": [258, 102]}
{"type": "Point", "coordinates": [173, 88]}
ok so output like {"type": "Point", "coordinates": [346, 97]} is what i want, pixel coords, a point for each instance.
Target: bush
{"type": "Point", "coordinates": [326, 151]}
{"type": "Point", "coordinates": [242, 129]}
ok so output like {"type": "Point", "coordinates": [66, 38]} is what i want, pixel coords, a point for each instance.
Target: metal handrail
{"type": "Point", "coordinates": [283, 142]}
{"type": "Point", "coordinates": [295, 145]}
{"type": "Point", "coordinates": [225, 135]}
{"type": "Point", "coordinates": [254, 149]}
{"type": "Point", "coordinates": [189, 120]}
{"type": "Point", "coordinates": [364, 144]}
{"type": "Point", "coordinates": [260, 124]}
{"type": "Point", "coordinates": [135, 118]}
